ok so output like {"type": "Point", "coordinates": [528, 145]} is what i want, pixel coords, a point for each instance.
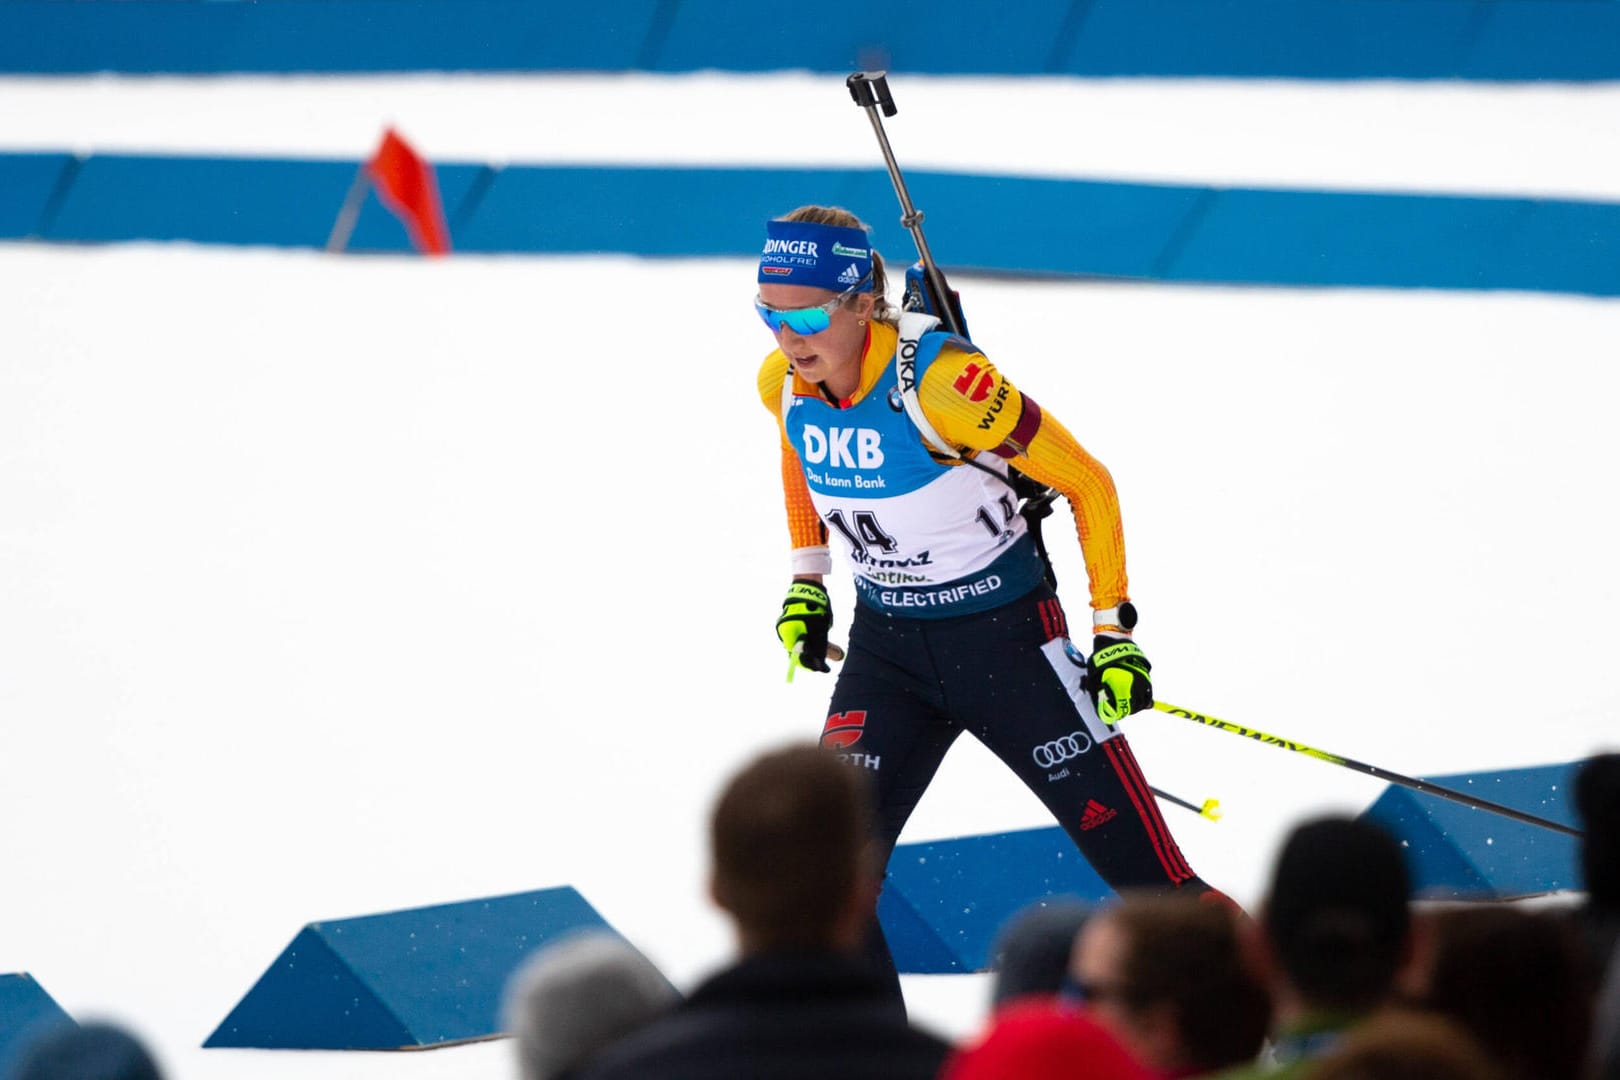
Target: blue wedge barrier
{"type": "Point", "coordinates": [944, 902]}
{"type": "Point", "coordinates": [1455, 852]}
{"type": "Point", "coordinates": [27, 1011]}
{"type": "Point", "coordinates": [402, 979]}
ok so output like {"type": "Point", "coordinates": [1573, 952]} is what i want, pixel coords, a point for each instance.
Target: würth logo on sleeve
{"type": "Point", "coordinates": [973, 385]}
{"type": "Point", "coordinates": [844, 729]}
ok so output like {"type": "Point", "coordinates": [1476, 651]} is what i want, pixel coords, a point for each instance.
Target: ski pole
{"type": "Point", "coordinates": [1211, 808]}
{"type": "Point", "coordinates": [834, 652]}
{"type": "Point", "coordinates": [1370, 770]}
{"type": "Point", "coordinates": [870, 89]}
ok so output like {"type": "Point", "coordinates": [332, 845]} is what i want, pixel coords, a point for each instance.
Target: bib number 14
{"type": "Point", "coordinates": [867, 537]}
{"type": "Point", "coordinates": [863, 532]}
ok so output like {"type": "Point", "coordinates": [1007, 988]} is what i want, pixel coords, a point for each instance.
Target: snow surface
{"type": "Point", "coordinates": [331, 586]}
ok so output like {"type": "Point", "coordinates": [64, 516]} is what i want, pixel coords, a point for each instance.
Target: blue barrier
{"type": "Point", "coordinates": [1053, 226]}
{"type": "Point", "coordinates": [223, 201]}
{"type": "Point", "coordinates": [1351, 239]}
{"type": "Point", "coordinates": [654, 211]}
{"type": "Point", "coordinates": [981, 223]}
{"type": "Point", "coordinates": [194, 37]}
{"type": "Point", "coordinates": [1571, 40]}
{"type": "Point", "coordinates": [416, 978]}
{"type": "Point", "coordinates": [1457, 852]}
{"type": "Point", "coordinates": [955, 37]}
{"type": "Point", "coordinates": [943, 903]}
{"type": "Point", "coordinates": [207, 200]}
{"type": "Point", "coordinates": [1564, 247]}
{"type": "Point", "coordinates": [1287, 39]}
{"type": "Point", "coordinates": [1309, 39]}
{"type": "Point", "coordinates": [26, 1012]}
{"type": "Point", "coordinates": [29, 186]}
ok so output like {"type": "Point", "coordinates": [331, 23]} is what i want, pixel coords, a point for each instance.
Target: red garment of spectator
{"type": "Point", "coordinates": [1039, 1040]}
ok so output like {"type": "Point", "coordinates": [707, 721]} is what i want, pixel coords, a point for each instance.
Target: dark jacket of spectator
{"type": "Point", "coordinates": [1515, 981]}
{"type": "Point", "coordinates": [1597, 804]}
{"type": "Point", "coordinates": [1335, 936]}
{"type": "Point", "coordinates": [94, 1051]}
{"type": "Point", "coordinates": [793, 869]}
{"type": "Point", "coordinates": [785, 1015]}
{"type": "Point", "coordinates": [1604, 1060]}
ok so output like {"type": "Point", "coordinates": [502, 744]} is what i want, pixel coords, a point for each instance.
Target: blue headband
{"type": "Point", "coordinates": [824, 256]}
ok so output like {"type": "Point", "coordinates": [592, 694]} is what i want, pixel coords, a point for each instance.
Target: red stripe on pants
{"type": "Point", "coordinates": [1165, 848]}
{"type": "Point", "coordinates": [1170, 841]}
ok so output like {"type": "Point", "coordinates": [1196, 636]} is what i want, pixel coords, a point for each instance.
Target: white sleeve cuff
{"type": "Point", "coordinates": [810, 560]}
{"type": "Point", "coordinates": [1111, 619]}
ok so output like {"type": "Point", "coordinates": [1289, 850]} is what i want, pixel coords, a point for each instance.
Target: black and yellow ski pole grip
{"type": "Point", "coordinates": [1369, 770]}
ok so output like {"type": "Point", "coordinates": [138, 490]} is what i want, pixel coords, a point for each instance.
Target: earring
{"type": "Point", "coordinates": [863, 322]}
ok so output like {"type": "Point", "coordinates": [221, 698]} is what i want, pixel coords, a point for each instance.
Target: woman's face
{"type": "Point", "coordinates": [833, 355]}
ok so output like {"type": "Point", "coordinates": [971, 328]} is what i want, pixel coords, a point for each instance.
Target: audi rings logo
{"type": "Point", "coordinates": [1058, 751]}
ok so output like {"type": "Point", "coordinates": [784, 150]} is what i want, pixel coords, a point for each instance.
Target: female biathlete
{"type": "Point", "coordinates": [955, 628]}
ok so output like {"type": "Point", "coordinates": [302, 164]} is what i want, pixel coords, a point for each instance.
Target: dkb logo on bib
{"type": "Point", "coordinates": [834, 447]}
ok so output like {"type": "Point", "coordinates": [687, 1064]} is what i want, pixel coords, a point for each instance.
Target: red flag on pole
{"type": "Point", "coordinates": [406, 186]}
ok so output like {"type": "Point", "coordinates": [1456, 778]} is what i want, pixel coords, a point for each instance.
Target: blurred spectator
{"type": "Point", "coordinates": [1034, 1039]}
{"type": "Point", "coordinates": [1597, 804]}
{"type": "Point", "coordinates": [577, 996]}
{"type": "Point", "coordinates": [1604, 1060]}
{"type": "Point", "coordinates": [1398, 1045]}
{"type": "Point", "coordinates": [1031, 953]}
{"type": "Point", "coordinates": [792, 867]}
{"type": "Point", "coordinates": [1515, 981]}
{"type": "Point", "coordinates": [1333, 936]}
{"type": "Point", "coordinates": [1166, 975]}
{"type": "Point", "coordinates": [94, 1051]}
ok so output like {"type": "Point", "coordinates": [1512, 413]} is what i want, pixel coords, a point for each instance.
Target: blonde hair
{"type": "Point", "coordinates": [882, 310]}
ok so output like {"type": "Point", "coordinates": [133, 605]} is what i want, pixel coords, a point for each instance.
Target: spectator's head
{"type": "Point", "coordinates": [578, 995]}
{"type": "Point", "coordinates": [1166, 975]}
{"type": "Point", "coordinates": [1514, 980]}
{"type": "Point", "coordinates": [1336, 921]}
{"type": "Point", "coordinates": [1031, 954]}
{"type": "Point", "coordinates": [1037, 1040]}
{"type": "Point", "coordinates": [792, 865]}
{"type": "Point", "coordinates": [1404, 1046]}
{"type": "Point", "coordinates": [95, 1051]}
{"type": "Point", "coordinates": [1597, 801]}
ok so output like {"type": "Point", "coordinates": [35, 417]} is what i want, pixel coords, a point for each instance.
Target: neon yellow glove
{"type": "Point", "coordinates": [804, 624]}
{"type": "Point", "coordinates": [1118, 678]}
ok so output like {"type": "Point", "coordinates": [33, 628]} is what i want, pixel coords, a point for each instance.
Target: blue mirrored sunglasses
{"type": "Point", "coordinates": [808, 320]}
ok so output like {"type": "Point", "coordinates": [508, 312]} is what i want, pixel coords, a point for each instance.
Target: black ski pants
{"type": "Point", "coordinates": [1011, 678]}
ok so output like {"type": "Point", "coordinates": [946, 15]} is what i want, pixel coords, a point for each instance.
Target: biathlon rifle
{"type": "Point", "coordinates": [928, 292]}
